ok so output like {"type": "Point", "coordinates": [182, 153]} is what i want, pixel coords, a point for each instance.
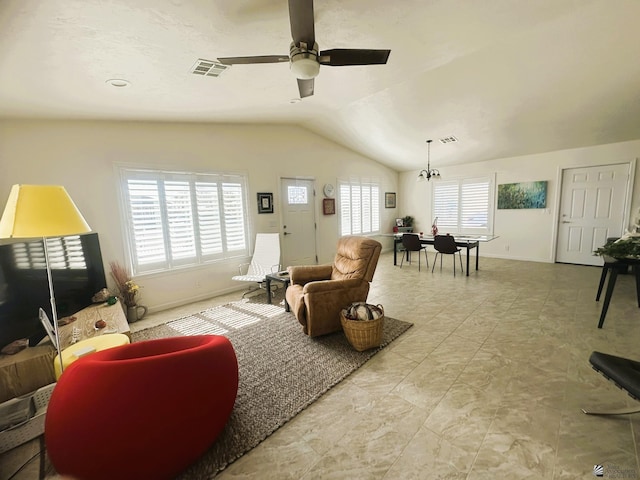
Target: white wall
{"type": "Point", "coordinates": [528, 234]}
{"type": "Point", "coordinates": [82, 157]}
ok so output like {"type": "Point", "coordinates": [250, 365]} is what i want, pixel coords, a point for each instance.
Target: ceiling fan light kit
{"type": "Point", "coordinates": [304, 61]}
{"type": "Point", "coordinates": [428, 173]}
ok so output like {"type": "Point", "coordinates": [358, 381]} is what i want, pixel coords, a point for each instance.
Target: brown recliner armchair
{"type": "Point", "coordinates": [318, 292]}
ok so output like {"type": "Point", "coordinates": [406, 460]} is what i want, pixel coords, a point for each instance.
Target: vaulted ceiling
{"type": "Point", "coordinates": [505, 77]}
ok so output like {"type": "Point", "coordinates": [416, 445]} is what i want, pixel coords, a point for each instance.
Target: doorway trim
{"type": "Point", "coordinates": [315, 205]}
{"type": "Point", "coordinates": [559, 175]}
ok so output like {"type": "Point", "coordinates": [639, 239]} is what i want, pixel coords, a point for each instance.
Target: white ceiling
{"type": "Point", "coordinates": [506, 77]}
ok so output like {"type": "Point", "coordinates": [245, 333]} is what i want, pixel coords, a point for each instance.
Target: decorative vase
{"type": "Point", "coordinates": [135, 313]}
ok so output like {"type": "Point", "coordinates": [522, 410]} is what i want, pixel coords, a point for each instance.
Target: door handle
{"type": "Point", "coordinates": [287, 233]}
{"type": "Point", "coordinates": [565, 221]}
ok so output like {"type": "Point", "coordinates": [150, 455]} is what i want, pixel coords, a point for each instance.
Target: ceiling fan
{"type": "Point", "coordinates": [304, 56]}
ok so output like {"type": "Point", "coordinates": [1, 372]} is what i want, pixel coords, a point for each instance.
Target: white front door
{"type": "Point", "coordinates": [593, 203]}
{"type": "Point", "coordinates": [298, 222]}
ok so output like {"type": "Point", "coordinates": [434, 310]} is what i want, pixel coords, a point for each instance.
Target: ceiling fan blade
{"type": "Point", "coordinates": [258, 59]}
{"type": "Point", "coordinates": [301, 18]}
{"type": "Point", "coordinates": [305, 87]}
{"type": "Point", "coordinates": [353, 56]}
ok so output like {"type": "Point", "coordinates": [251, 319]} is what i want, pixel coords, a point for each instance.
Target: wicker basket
{"type": "Point", "coordinates": [363, 334]}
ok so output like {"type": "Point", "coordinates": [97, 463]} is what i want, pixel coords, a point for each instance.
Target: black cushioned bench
{"type": "Point", "coordinates": [624, 372]}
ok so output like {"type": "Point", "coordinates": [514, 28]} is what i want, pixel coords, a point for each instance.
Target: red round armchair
{"type": "Point", "coordinates": [144, 410]}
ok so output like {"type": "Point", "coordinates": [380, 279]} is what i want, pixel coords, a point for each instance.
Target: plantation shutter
{"type": "Point", "coordinates": [234, 216]}
{"type": "Point", "coordinates": [445, 205]}
{"type": "Point", "coordinates": [177, 219]}
{"type": "Point", "coordinates": [146, 222]}
{"type": "Point", "coordinates": [209, 223]}
{"type": "Point", "coordinates": [375, 208]}
{"type": "Point", "coordinates": [180, 220]}
{"type": "Point", "coordinates": [359, 208]}
{"type": "Point", "coordinates": [463, 206]}
{"type": "Point", "coordinates": [345, 209]}
{"type": "Point", "coordinates": [356, 210]}
{"type": "Point", "coordinates": [475, 204]}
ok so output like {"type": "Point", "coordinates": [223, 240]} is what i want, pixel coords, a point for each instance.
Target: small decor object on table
{"type": "Point", "coordinates": [101, 296]}
{"type": "Point", "coordinates": [135, 313]}
{"type": "Point", "coordinates": [362, 324]}
{"type": "Point", "coordinates": [434, 227]}
{"type": "Point", "coordinates": [128, 291]}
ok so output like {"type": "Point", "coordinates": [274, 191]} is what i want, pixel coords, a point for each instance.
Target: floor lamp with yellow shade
{"type": "Point", "coordinates": [42, 211]}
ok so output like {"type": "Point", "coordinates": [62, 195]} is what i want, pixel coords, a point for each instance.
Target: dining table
{"type": "Point", "coordinates": [467, 242]}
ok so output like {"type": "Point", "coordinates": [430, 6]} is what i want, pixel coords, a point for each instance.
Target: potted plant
{"type": "Point", "coordinates": [128, 292]}
{"type": "Point", "coordinates": [627, 246]}
{"type": "Point", "coordinates": [407, 221]}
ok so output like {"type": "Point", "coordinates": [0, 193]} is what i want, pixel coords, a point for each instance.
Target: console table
{"type": "Point", "coordinates": [33, 367]}
{"type": "Point", "coordinates": [85, 321]}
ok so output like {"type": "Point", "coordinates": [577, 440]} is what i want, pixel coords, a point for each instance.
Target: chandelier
{"type": "Point", "coordinates": [428, 173]}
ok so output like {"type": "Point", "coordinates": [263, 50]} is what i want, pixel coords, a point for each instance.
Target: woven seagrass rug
{"type": "Point", "coordinates": [268, 341]}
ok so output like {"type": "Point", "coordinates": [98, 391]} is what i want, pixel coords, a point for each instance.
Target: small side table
{"type": "Point", "coordinates": [98, 343]}
{"type": "Point", "coordinates": [282, 277]}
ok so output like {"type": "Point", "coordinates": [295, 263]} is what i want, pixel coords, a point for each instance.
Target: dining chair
{"type": "Point", "coordinates": [446, 245]}
{"type": "Point", "coordinates": [411, 243]}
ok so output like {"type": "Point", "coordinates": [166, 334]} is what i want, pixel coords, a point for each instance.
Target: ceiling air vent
{"type": "Point", "coordinates": [208, 68]}
{"type": "Point", "coordinates": [450, 139]}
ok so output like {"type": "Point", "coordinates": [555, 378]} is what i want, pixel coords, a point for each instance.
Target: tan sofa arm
{"type": "Point", "coordinates": [302, 275]}
{"type": "Point", "coordinates": [330, 285]}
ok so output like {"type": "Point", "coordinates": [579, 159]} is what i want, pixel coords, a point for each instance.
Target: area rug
{"type": "Point", "coordinates": [281, 370]}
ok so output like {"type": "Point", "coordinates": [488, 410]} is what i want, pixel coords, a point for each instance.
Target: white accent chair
{"type": "Point", "coordinates": [265, 260]}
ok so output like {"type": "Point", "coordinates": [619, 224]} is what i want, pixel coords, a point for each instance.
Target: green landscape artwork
{"type": "Point", "coordinates": [522, 195]}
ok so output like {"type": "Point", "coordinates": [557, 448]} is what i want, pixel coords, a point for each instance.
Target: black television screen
{"type": "Point", "coordinates": [77, 272]}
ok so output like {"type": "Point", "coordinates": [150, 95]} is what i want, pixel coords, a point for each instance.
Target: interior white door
{"type": "Point", "coordinates": [592, 208]}
{"type": "Point", "coordinates": [298, 222]}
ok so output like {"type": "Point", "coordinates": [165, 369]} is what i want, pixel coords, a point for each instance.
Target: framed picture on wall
{"type": "Point", "coordinates": [522, 195]}
{"type": "Point", "coordinates": [329, 206]}
{"type": "Point", "coordinates": [389, 199]}
{"type": "Point", "coordinates": [265, 202]}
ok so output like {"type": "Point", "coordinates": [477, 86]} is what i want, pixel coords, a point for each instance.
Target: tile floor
{"type": "Point", "coordinates": [488, 384]}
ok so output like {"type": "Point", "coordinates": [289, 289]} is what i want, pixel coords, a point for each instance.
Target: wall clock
{"type": "Point", "coordinates": [328, 190]}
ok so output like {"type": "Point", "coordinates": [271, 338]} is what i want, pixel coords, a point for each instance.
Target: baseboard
{"type": "Point", "coordinates": [196, 298]}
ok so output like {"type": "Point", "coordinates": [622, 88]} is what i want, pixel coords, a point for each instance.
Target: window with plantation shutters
{"type": "Point", "coordinates": [359, 208]}
{"type": "Point", "coordinates": [464, 205]}
{"type": "Point", "coordinates": [183, 219]}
